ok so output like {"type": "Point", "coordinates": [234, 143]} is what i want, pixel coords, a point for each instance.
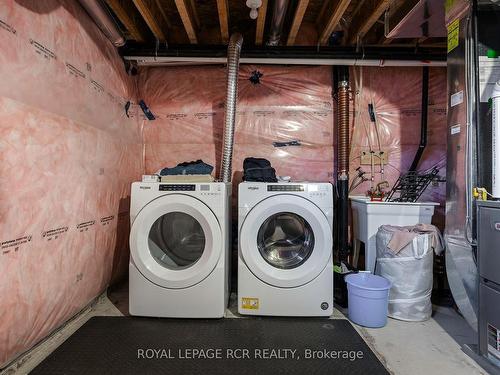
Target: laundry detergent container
{"type": "Point", "coordinates": [368, 299]}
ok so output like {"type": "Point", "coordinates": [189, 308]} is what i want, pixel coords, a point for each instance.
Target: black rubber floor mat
{"type": "Point", "coordinates": [125, 345]}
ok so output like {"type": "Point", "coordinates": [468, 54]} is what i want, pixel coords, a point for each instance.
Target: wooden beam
{"type": "Point", "coordinates": [321, 14]}
{"type": "Point", "coordinates": [148, 10]}
{"type": "Point", "coordinates": [367, 24]}
{"type": "Point", "coordinates": [187, 20]}
{"type": "Point", "coordinates": [123, 11]}
{"type": "Point", "coordinates": [358, 8]}
{"type": "Point", "coordinates": [194, 13]}
{"type": "Point", "coordinates": [333, 20]}
{"type": "Point", "coordinates": [163, 13]}
{"type": "Point", "coordinates": [297, 21]}
{"type": "Point", "coordinates": [261, 23]}
{"type": "Point", "coordinates": [223, 10]}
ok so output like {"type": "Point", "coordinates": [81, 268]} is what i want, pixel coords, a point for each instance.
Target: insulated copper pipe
{"type": "Point", "coordinates": [343, 128]}
{"type": "Point", "coordinates": [341, 73]}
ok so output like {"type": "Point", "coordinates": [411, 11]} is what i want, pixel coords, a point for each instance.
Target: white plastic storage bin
{"type": "Point", "coordinates": [368, 216]}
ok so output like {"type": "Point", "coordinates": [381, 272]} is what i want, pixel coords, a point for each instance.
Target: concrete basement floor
{"type": "Point", "coordinates": [431, 347]}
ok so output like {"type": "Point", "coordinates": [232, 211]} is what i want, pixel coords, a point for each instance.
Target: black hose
{"type": "Point", "coordinates": [423, 121]}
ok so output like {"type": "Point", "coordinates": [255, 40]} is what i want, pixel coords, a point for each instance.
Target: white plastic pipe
{"type": "Point", "coordinates": [495, 97]}
{"type": "Point", "coordinates": [174, 60]}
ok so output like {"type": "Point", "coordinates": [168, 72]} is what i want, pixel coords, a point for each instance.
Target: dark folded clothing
{"type": "Point", "coordinates": [191, 167]}
{"type": "Point", "coordinates": [258, 170]}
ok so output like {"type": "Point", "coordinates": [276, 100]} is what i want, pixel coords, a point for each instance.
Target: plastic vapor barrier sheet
{"type": "Point", "coordinates": [68, 155]}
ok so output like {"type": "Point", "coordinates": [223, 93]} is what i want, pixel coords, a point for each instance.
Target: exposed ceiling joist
{"type": "Point", "coordinates": [163, 13]}
{"type": "Point", "coordinates": [187, 20]}
{"type": "Point", "coordinates": [333, 20]}
{"type": "Point", "coordinates": [223, 10]}
{"type": "Point", "coordinates": [123, 11]}
{"type": "Point", "coordinates": [297, 21]}
{"type": "Point", "coordinates": [321, 13]}
{"type": "Point", "coordinates": [149, 11]}
{"type": "Point", "coordinates": [367, 24]}
{"type": "Point", "coordinates": [194, 13]}
{"type": "Point", "coordinates": [195, 21]}
{"type": "Point", "coordinates": [261, 23]}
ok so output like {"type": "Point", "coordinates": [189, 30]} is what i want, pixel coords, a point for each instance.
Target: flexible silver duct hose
{"type": "Point", "coordinates": [100, 15]}
{"type": "Point", "coordinates": [233, 62]}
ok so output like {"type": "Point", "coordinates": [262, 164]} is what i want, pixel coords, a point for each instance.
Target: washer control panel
{"type": "Point", "coordinates": [177, 187]}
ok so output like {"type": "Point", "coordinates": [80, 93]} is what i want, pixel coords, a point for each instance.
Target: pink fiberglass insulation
{"type": "Point", "coordinates": [288, 103]}
{"type": "Point", "coordinates": [293, 103]}
{"type": "Point", "coordinates": [69, 153]}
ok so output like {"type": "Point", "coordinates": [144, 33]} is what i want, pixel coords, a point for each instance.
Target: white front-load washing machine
{"type": "Point", "coordinates": [285, 265]}
{"type": "Point", "coordinates": [179, 249]}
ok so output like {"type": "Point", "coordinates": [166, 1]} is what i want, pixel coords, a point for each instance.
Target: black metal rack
{"type": "Point", "coordinates": [410, 186]}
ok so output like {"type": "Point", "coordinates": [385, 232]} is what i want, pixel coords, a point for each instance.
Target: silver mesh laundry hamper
{"type": "Point", "coordinates": [409, 271]}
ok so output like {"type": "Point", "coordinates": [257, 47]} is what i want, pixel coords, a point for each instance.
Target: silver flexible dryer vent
{"type": "Point", "coordinates": [233, 63]}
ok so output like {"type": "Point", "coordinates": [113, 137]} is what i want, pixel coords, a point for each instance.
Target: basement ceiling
{"type": "Point", "coordinates": [203, 23]}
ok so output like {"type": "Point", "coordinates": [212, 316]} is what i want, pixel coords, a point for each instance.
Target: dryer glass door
{"type": "Point", "coordinates": [176, 241]}
{"type": "Point", "coordinates": [286, 241]}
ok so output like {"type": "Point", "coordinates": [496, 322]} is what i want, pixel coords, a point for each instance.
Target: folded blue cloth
{"type": "Point", "coordinates": [191, 167]}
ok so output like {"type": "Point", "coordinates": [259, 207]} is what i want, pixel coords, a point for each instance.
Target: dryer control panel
{"type": "Point", "coordinates": [177, 187]}
{"type": "Point", "coordinates": [285, 187]}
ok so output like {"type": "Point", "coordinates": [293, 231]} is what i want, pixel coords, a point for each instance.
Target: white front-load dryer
{"type": "Point", "coordinates": [285, 263]}
{"type": "Point", "coordinates": [179, 249]}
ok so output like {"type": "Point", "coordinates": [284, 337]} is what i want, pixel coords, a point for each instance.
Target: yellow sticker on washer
{"type": "Point", "coordinates": [453, 35]}
{"type": "Point", "coordinates": [249, 303]}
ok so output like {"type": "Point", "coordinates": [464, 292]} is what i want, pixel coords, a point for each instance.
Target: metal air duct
{"type": "Point", "coordinates": [279, 13]}
{"type": "Point", "coordinates": [417, 19]}
{"type": "Point", "coordinates": [103, 20]}
{"type": "Point", "coordinates": [233, 62]}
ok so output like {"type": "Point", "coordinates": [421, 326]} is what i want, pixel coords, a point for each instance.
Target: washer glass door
{"type": "Point", "coordinates": [285, 240]}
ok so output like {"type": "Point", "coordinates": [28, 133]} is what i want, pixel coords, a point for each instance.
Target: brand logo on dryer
{"type": "Point", "coordinates": [253, 188]}
{"type": "Point", "coordinates": [144, 187]}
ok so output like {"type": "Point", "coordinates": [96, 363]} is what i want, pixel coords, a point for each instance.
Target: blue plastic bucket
{"type": "Point", "coordinates": [368, 299]}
